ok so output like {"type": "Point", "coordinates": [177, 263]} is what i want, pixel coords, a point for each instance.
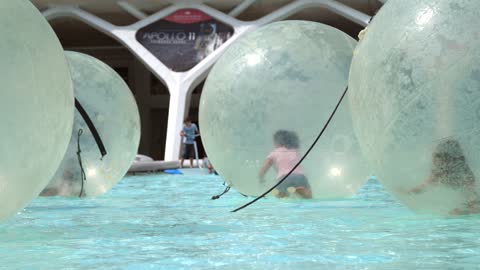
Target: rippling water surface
{"type": "Point", "coordinates": [169, 222]}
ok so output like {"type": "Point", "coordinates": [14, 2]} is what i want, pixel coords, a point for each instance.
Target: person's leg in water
{"type": "Point", "coordinates": [299, 185]}
{"type": "Point", "coordinates": [304, 192]}
{"type": "Point", "coordinates": [279, 194]}
{"type": "Point", "coordinates": [281, 190]}
{"type": "Point", "coordinates": [289, 186]}
{"type": "Point", "coordinates": [470, 204]}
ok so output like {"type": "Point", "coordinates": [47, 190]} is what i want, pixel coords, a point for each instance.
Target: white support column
{"type": "Point", "coordinates": [188, 104]}
{"type": "Point", "coordinates": [176, 115]}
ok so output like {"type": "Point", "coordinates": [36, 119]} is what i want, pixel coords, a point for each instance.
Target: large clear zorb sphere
{"type": "Point", "coordinates": [415, 99]}
{"type": "Point", "coordinates": [113, 111]}
{"type": "Point", "coordinates": [36, 104]}
{"type": "Point", "coordinates": [284, 78]}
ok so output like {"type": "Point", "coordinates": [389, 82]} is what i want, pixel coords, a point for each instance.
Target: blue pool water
{"type": "Point", "coordinates": [169, 222]}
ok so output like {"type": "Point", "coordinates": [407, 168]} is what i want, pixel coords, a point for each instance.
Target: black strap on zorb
{"type": "Point", "coordinates": [92, 128]}
{"type": "Point", "coordinates": [80, 163]}
{"type": "Point", "coordinates": [216, 197]}
{"type": "Point", "coordinates": [95, 135]}
{"type": "Point", "coordinates": [301, 160]}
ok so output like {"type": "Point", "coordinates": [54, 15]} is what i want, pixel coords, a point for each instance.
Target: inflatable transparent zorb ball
{"type": "Point", "coordinates": [36, 104]}
{"type": "Point", "coordinates": [286, 76]}
{"type": "Point", "coordinates": [415, 99]}
{"type": "Point", "coordinates": [111, 107]}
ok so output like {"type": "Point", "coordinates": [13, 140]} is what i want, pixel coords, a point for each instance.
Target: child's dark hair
{"type": "Point", "coordinates": [451, 168]}
{"type": "Point", "coordinates": [287, 139]}
{"type": "Point", "coordinates": [187, 120]}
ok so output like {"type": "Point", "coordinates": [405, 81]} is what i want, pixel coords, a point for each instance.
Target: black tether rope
{"type": "Point", "coordinates": [301, 160]}
{"type": "Point", "coordinates": [91, 127]}
{"type": "Point", "coordinates": [79, 156]}
{"type": "Point", "coordinates": [216, 197]}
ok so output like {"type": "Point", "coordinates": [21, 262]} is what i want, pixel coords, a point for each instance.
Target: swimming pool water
{"type": "Point", "coordinates": [169, 222]}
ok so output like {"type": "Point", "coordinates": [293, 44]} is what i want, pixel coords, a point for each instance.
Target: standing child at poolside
{"type": "Point", "coordinates": [284, 157]}
{"type": "Point", "coordinates": [189, 133]}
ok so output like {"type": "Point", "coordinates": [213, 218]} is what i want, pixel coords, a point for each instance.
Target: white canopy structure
{"type": "Point", "coordinates": [181, 84]}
